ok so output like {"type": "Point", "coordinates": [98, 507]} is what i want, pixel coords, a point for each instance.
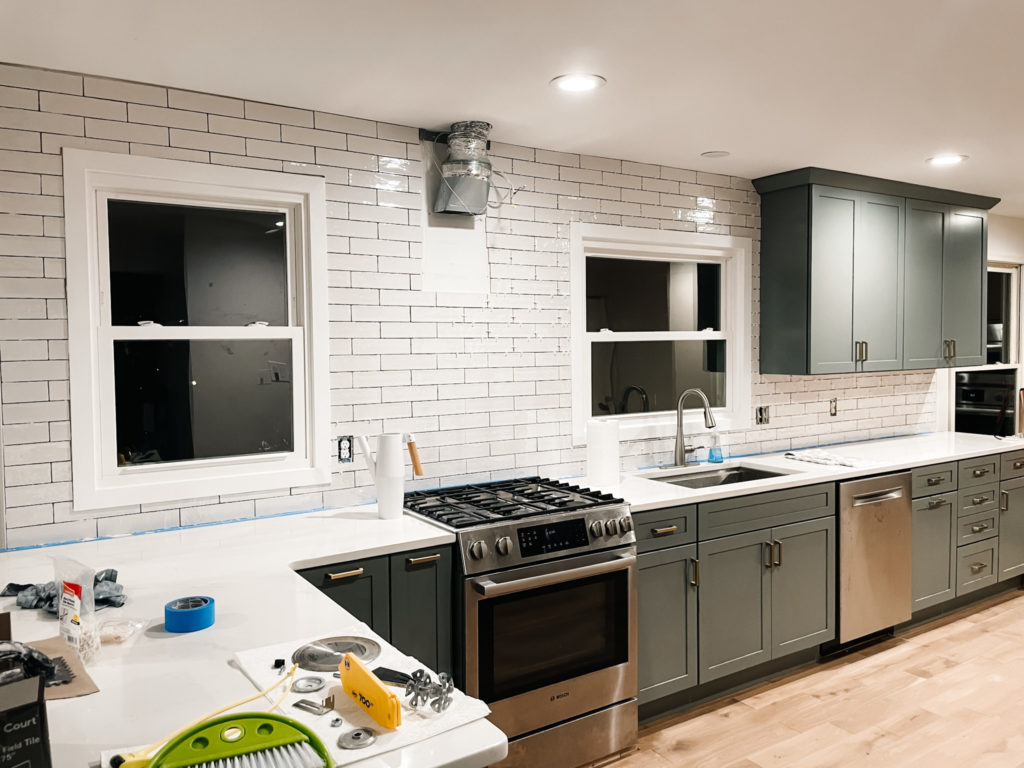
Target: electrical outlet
{"type": "Point", "coordinates": [833, 406]}
{"type": "Point", "coordinates": [762, 414]}
{"type": "Point", "coordinates": [345, 449]}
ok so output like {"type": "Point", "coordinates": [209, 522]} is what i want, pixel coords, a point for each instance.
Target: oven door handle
{"type": "Point", "coordinates": [488, 587]}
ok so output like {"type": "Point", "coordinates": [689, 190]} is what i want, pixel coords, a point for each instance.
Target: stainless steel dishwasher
{"type": "Point", "coordinates": [874, 555]}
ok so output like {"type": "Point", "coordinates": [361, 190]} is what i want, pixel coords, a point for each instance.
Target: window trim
{"type": "Point", "coordinates": [733, 253]}
{"type": "Point", "coordinates": [89, 179]}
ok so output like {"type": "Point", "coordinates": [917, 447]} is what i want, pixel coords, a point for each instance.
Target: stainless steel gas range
{"type": "Point", "coordinates": [547, 593]}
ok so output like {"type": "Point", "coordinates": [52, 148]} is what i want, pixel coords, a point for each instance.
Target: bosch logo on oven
{"type": "Point", "coordinates": [558, 696]}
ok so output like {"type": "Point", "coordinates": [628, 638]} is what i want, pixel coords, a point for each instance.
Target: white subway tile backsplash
{"type": "Point", "coordinates": [482, 379]}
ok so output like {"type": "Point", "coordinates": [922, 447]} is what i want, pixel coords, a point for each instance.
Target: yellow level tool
{"type": "Point", "coordinates": [366, 690]}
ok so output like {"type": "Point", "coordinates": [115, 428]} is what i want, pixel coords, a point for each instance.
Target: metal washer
{"type": "Point", "coordinates": [307, 684]}
{"type": "Point", "coordinates": [357, 739]}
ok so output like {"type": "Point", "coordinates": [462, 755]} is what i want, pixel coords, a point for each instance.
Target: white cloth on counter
{"type": "Point", "coordinates": [818, 456]}
{"type": "Point", "coordinates": [417, 723]}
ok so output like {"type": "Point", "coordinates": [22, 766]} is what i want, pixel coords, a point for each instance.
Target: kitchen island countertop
{"type": "Point", "coordinates": [157, 681]}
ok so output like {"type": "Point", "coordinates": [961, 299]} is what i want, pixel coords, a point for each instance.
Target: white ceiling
{"type": "Point", "coordinates": [866, 86]}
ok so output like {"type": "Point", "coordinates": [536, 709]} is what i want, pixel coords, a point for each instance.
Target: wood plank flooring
{"type": "Point", "coordinates": [946, 694]}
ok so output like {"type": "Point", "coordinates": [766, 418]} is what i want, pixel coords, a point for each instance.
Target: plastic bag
{"type": "Point", "coordinates": [76, 606]}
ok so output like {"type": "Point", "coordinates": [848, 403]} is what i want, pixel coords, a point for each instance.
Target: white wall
{"type": "Point", "coordinates": [1006, 239]}
{"type": "Point", "coordinates": [482, 380]}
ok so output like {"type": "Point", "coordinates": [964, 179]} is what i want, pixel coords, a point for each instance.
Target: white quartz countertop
{"type": "Point", "coordinates": [157, 682]}
{"type": "Point", "coordinates": [644, 491]}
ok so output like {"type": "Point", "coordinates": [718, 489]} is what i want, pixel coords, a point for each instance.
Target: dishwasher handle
{"type": "Point", "coordinates": [888, 494]}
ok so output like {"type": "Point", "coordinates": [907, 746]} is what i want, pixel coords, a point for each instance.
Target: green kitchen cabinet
{"type": "Point", "coordinates": [406, 598]}
{"type": "Point", "coordinates": [421, 605]}
{"type": "Point", "coordinates": [933, 559]}
{"type": "Point", "coordinates": [667, 621]}
{"type": "Point", "coordinates": [831, 281]}
{"type": "Point", "coordinates": [945, 286]}
{"type": "Point", "coordinates": [765, 594]}
{"type": "Point", "coordinates": [358, 586]}
{"type": "Point", "coordinates": [1011, 529]}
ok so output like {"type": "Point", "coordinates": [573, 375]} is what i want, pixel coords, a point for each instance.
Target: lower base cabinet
{"type": "Point", "coordinates": [667, 621]}
{"type": "Point", "coordinates": [1011, 529]}
{"type": "Point", "coordinates": [406, 598]}
{"type": "Point", "coordinates": [765, 594]}
{"type": "Point", "coordinates": [933, 559]}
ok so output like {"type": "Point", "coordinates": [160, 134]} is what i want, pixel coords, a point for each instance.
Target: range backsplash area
{"type": "Point", "coordinates": [482, 381]}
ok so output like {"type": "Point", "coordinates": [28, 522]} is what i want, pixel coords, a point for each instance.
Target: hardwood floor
{"type": "Point", "coordinates": [947, 694]}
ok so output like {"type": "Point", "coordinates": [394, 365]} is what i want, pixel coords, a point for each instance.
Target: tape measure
{"type": "Point", "coordinates": [188, 614]}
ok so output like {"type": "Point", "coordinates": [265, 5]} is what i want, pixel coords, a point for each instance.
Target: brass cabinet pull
{"type": "Point", "coordinates": [768, 561]}
{"type": "Point", "coordinates": [935, 480]}
{"type": "Point", "coordinates": [946, 354]}
{"type": "Point", "coordinates": [979, 528]}
{"type": "Point", "coordinates": [936, 503]}
{"type": "Point", "coordinates": [980, 472]}
{"type": "Point", "coordinates": [1018, 465]}
{"type": "Point", "coordinates": [865, 358]}
{"type": "Point", "coordinates": [1004, 506]}
{"type": "Point", "coordinates": [695, 582]}
{"type": "Point", "coordinates": [345, 574]}
{"type": "Point", "coordinates": [979, 500]}
{"type": "Point", "coordinates": [665, 531]}
{"type": "Point", "coordinates": [954, 347]}
{"type": "Point", "coordinates": [422, 560]}
{"type": "Point", "coordinates": [777, 561]}
{"type": "Point", "coordinates": [978, 567]}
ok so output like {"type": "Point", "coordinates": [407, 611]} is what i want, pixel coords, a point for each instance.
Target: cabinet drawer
{"type": "Point", "coordinates": [765, 510]}
{"type": "Point", "coordinates": [975, 500]}
{"type": "Point", "coordinates": [976, 566]}
{"type": "Point", "coordinates": [1012, 465]}
{"type": "Point", "coordinates": [661, 528]}
{"type": "Point", "coordinates": [931, 503]}
{"type": "Point", "coordinates": [983, 471]}
{"type": "Point", "coordinates": [937, 478]}
{"type": "Point", "coordinates": [971, 528]}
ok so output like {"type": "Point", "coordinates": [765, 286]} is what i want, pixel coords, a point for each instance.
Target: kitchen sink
{"type": "Point", "coordinates": [715, 477]}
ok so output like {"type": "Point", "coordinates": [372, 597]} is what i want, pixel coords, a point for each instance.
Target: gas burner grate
{"type": "Point", "coordinates": [482, 503]}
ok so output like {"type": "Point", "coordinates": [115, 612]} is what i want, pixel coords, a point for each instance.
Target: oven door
{"type": "Point", "coordinates": [548, 642]}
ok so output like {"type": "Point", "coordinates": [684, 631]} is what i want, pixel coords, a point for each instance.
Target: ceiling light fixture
{"type": "Point", "coordinates": [578, 83]}
{"type": "Point", "coordinates": [714, 154]}
{"type": "Point", "coordinates": [946, 159]}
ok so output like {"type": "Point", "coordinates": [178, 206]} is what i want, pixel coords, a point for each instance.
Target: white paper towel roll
{"type": "Point", "coordinates": [602, 452]}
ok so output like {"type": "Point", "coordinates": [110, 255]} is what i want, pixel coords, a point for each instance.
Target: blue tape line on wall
{"type": "Point", "coordinates": [188, 614]}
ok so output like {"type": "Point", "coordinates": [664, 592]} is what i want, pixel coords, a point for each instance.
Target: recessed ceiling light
{"type": "Point", "coordinates": [577, 83]}
{"type": "Point", "coordinates": [946, 159]}
{"type": "Point", "coordinates": [715, 153]}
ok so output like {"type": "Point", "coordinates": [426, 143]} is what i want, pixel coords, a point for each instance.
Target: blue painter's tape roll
{"type": "Point", "coordinates": [188, 614]}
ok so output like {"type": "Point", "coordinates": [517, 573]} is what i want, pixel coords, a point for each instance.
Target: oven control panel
{"type": "Point", "coordinates": [494, 547]}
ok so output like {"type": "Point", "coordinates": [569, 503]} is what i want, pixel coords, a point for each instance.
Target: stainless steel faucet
{"type": "Point", "coordinates": [682, 449]}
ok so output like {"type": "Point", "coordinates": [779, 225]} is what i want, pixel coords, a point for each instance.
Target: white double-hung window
{"type": "Point", "coordinates": [654, 313]}
{"type": "Point", "coordinates": [197, 317]}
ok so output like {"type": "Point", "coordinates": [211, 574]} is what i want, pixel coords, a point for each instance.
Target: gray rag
{"type": "Point", "coordinates": [106, 592]}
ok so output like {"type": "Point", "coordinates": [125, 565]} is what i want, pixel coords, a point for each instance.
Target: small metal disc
{"type": "Point", "coordinates": [357, 739]}
{"type": "Point", "coordinates": [307, 684]}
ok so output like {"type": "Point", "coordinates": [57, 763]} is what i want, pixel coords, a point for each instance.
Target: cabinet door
{"type": "Point", "coordinates": [964, 286]}
{"type": "Point", "coordinates": [421, 605]}
{"type": "Point", "coordinates": [803, 585]}
{"type": "Point", "coordinates": [667, 621]}
{"type": "Point", "coordinates": [734, 603]}
{"type": "Point", "coordinates": [878, 280]}
{"type": "Point", "coordinates": [833, 219]}
{"type": "Point", "coordinates": [360, 587]}
{"type": "Point", "coordinates": [933, 558]}
{"type": "Point", "coordinates": [922, 309]}
{"type": "Point", "coordinates": [1011, 529]}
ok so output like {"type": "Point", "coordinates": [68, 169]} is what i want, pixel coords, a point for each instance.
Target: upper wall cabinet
{"type": "Point", "coordinates": [858, 274]}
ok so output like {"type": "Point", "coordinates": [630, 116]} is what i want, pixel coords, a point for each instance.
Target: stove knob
{"type": "Point", "coordinates": [478, 550]}
{"type": "Point", "coordinates": [504, 546]}
{"type": "Point", "coordinates": [611, 528]}
{"type": "Point", "coordinates": [597, 529]}
{"type": "Point", "coordinates": [625, 524]}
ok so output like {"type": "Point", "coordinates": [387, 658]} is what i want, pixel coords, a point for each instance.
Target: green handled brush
{"type": "Point", "coordinates": [245, 740]}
